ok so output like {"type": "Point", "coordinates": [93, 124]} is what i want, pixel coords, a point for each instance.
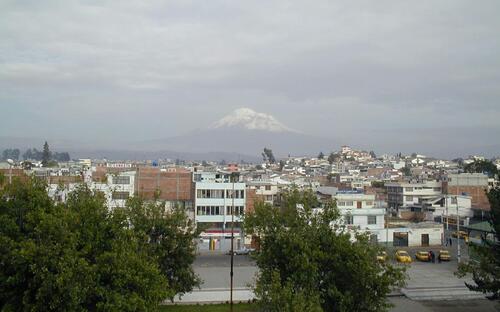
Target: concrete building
{"type": "Point", "coordinates": [173, 185]}
{"type": "Point", "coordinates": [213, 205]}
{"type": "Point", "coordinates": [266, 191]}
{"type": "Point", "coordinates": [358, 211]}
{"type": "Point", "coordinates": [406, 194]}
{"type": "Point", "coordinates": [470, 184]}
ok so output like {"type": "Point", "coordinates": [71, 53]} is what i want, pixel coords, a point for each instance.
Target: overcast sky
{"type": "Point", "coordinates": [390, 75]}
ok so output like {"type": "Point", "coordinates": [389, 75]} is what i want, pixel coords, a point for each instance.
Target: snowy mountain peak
{"type": "Point", "coordinates": [249, 119]}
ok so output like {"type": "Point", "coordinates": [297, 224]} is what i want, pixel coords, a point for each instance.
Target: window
{"type": "Point", "coordinates": [349, 219]}
{"type": "Point", "coordinates": [121, 180]}
{"type": "Point", "coordinates": [237, 194]}
{"type": "Point", "coordinates": [369, 203]}
{"type": "Point", "coordinates": [209, 210]}
{"type": "Point", "coordinates": [372, 219]}
{"type": "Point", "coordinates": [120, 195]}
{"type": "Point", "coordinates": [210, 194]}
{"type": "Point", "coordinates": [453, 200]}
{"type": "Point", "coordinates": [268, 187]}
{"type": "Point", "coordinates": [341, 203]}
{"type": "Point", "coordinates": [437, 189]}
{"type": "Point", "coordinates": [409, 189]}
{"type": "Point", "coordinates": [238, 210]}
{"type": "Point", "coordinates": [349, 203]}
{"type": "Point", "coordinates": [409, 198]}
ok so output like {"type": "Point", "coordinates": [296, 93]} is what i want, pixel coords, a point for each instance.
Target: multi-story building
{"type": "Point", "coordinates": [471, 184]}
{"type": "Point", "coordinates": [406, 194]}
{"type": "Point", "coordinates": [172, 185]}
{"type": "Point", "coordinates": [116, 187]}
{"type": "Point", "coordinates": [358, 210]}
{"type": "Point", "coordinates": [215, 197]}
{"type": "Point", "coordinates": [266, 191]}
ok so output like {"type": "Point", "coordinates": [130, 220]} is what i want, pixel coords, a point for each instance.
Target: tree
{"type": "Point", "coordinates": [77, 256]}
{"type": "Point", "coordinates": [321, 155]}
{"type": "Point", "coordinates": [63, 156]}
{"type": "Point", "coordinates": [372, 154]}
{"type": "Point", "coordinates": [11, 153]}
{"type": "Point", "coordinates": [169, 237]}
{"type": "Point", "coordinates": [308, 260]}
{"type": "Point", "coordinates": [46, 156]}
{"type": "Point", "coordinates": [485, 269]}
{"type": "Point", "coordinates": [333, 157]}
{"type": "Point", "coordinates": [482, 166]}
{"type": "Point", "coordinates": [268, 156]}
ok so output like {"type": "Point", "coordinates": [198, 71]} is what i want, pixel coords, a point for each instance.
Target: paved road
{"type": "Point", "coordinates": [426, 281]}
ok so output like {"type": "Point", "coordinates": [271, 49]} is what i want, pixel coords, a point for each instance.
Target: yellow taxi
{"type": "Point", "coordinates": [444, 255]}
{"type": "Point", "coordinates": [422, 256]}
{"type": "Point", "coordinates": [461, 234]}
{"type": "Point", "coordinates": [402, 256]}
{"type": "Point", "coordinates": [382, 256]}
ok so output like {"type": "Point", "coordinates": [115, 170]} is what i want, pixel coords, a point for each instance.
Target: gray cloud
{"type": "Point", "coordinates": [110, 70]}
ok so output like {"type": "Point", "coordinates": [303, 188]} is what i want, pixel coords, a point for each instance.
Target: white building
{"type": "Point", "coordinates": [213, 204]}
{"type": "Point", "coordinates": [117, 188]}
{"type": "Point", "coordinates": [405, 194]}
{"type": "Point", "coordinates": [358, 212]}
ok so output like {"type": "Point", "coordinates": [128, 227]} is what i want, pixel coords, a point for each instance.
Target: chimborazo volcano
{"type": "Point", "coordinates": [245, 131]}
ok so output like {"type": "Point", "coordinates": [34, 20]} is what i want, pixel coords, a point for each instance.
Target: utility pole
{"type": "Point", "coordinates": [233, 177]}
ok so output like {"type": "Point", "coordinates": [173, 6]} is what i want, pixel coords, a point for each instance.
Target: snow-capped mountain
{"type": "Point", "coordinates": [243, 132]}
{"type": "Point", "coordinates": [249, 119]}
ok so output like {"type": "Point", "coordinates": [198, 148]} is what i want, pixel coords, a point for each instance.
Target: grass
{"type": "Point", "coordinates": [240, 307]}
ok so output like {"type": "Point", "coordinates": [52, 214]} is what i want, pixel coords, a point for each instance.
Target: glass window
{"type": "Point", "coordinates": [372, 219]}
{"type": "Point", "coordinates": [409, 189]}
{"type": "Point", "coordinates": [121, 180]}
{"type": "Point", "coordinates": [120, 195]}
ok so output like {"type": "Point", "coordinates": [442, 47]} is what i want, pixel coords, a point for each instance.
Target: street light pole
{"type": "Point", "coordinates": [233, 176]}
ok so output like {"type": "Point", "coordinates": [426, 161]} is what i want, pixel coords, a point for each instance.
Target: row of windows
{"type": "Point", "coordinates": [120, 195]}
{"type": "Point", "coordinates": [219, 210]}
{"type": "Point", "coordinates": [351, 203]}
{"type": "Point", "coordinates": [220, 193]}
{"type": "Point", "coordinates": [370, 219]}
{"type": "Point", "coordinates": [121, 180]}
{"type": "Point", "coordinates": [410, 189]}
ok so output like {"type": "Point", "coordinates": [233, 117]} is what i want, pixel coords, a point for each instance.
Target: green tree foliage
{"type": "Point", "coordinates": [486, 268]}
{"type": "Point", "coordinates": [482, 166]}
{"type": "Point", "coordinates": [321, 155]}
{"type": "Point", "coordinates": [308, 261]}
{"type": "Point", "coordinates": [46, 155]}
{"type": "Point", "coordinates": [268, 156]}
{"type": "Point", "coordinates": [11, 153]}
{"type": "Point", "coordinates": [169, 237]}
{"type": "Point", "coordinates": [77, 256]}
{"type": "Point", "coordinates": [333, 157]}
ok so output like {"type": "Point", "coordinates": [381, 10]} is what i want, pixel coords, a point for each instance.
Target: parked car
{"type": "Point", "coordinates": [444, 255]}
{"type": "Point", "coordinates": [242, 251]}
{"type": "Point", "coordinates": [422, 256]}
{"type": "Point", "coordinates": [402, 256]}
{"type": "Point", "coordinates": [461, 234]}
{"type": "Point", "coordinates": [382, 256]}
